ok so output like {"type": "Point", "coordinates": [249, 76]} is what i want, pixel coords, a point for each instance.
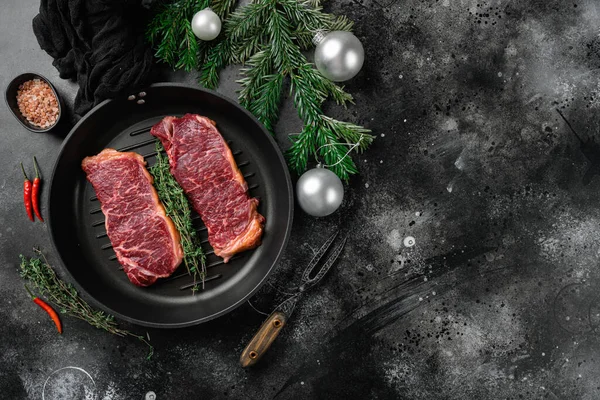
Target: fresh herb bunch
{"type": "Point", "coordinates": [268, 37]}
{"type": "Point", "coordinates": [65, 297]}
{"type": "Point", "coordinates": [178, 209]}
{"type": "Point", "coordinates": [170, 31]}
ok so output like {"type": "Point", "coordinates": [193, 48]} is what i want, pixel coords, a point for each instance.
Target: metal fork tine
{"type": "Point", "coordinates": [335, 253]}
{"type": "Point", "coordinates": [315, 260]}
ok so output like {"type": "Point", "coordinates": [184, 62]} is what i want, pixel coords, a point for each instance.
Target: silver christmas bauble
{"type": "Point", "coordinates": [320, 192]}
{"type": "Point", "coordinates": [206, 24]}
{"type": "Point", "coordinates": [339, 55]}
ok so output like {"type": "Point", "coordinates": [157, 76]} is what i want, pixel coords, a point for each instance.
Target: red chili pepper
{"type": "Point", "coordinates": [27, 194]}
{"type": "Point", "coordinates": [46, 307]}
{"type": "Point", "coordinates": [35, 200]}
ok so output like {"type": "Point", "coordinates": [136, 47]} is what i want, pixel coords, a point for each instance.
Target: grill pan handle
{"type": "Point", "coordinates": [262, 340]}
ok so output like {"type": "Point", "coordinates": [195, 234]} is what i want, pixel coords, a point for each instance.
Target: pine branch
{"type": "Point", "coordinates": [285, 53]}
{"type": "Point", "coordinates": [302, 16]}
{"type": "Point", "coordinates": [312, 3]}
{"type": "Point", "coordinates": [307, 96]}
{"type": "Point", "coordinates": [188, 48]}
{"type": "Point", "coordinates": [170, 32]}
{"type": "Point", "coordinates": [340, 23]}
{"type": "Point", "coordinates": [329, 139]}
{"type": "Point", "coordinates": [304, 35]}
{"type": "Point", "coordinates": [335, 154]}
{"type": "Point", "coordinates": [222, 7]}
{"type": "Point", "coordinates": [258, 66]}
{"type": "Point", "coordinates": [242, 51]}
{"type": "Point", "coordinates": [309, 20]}
{"type": "Point", "coordinates": [309, 88]}
{"type": "Point", "coordinates": [266, 106]}
{"type": "Point", "coordinates": [324, 85]}
{"type": "Point", "coordinates": [218, 56]}
{"type": "Point", "coordinates": [304, 38]}
{"type": "Point", "coordinates": [268, 37]}
{"type": "Point", "coordinates": [302, 145]}
{"type": "Point", "coordinates": [350, 133]}
{"type": "Point", "coordinates": [329, 136]}
{"type": "Point", "coordinates": [248, 19]}
{"type": "Point", "coordinates": [160, 30]}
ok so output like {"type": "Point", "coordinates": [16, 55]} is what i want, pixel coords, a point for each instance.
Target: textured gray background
{"type": "Point", "coordinates": [497, 299]}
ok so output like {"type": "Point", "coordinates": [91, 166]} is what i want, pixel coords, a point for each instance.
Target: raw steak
{"type": "Point", "coordinates": [204, 167]}
{"type": "Point", "coordinates": [143, 236]}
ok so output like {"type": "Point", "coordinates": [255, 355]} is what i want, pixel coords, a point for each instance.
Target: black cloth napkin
{"type": "Point", "coordinates": [98, 43]}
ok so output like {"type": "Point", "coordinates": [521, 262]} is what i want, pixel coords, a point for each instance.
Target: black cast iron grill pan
{"type": "Point", "coordinates": [76, 222]}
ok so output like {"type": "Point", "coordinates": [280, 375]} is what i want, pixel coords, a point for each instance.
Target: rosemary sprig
{"type": "Point", "coordinates": [65, 297]}
{"type": "Point", "coordinates": [178, 209]}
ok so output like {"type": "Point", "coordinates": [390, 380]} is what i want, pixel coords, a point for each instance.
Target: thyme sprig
{"type": "Point", "coordinates": [65, 297]}
{"type": "Point", "coordinates": [178, 209]}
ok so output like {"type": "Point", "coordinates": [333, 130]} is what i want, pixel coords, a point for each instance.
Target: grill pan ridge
{"type": "Point", "coordinates": [76, 222]}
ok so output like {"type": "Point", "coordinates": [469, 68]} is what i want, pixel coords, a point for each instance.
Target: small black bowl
{"type": "Point", "coordinates": [10, 95]}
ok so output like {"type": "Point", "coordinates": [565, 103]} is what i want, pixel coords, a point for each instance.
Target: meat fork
{"type": "Point", "coordinates": [270, 329]}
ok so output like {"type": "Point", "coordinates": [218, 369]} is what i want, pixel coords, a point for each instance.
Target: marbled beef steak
{"type": "Point", "coordinates": [203, 165]}
{"type": "Point", "coordinates": [143, 237]}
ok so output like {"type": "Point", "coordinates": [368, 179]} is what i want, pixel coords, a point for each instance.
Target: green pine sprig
{"type": "Point", "coordinates": [258, 67]}
{"type": "Point", "coordinates": [214, 61]}
{"type": "Point", "coordinates": [266, 106]}
{"type": "Point", "coordinates": [268, 37]}
{"type": "Point", "coordinates": [170, 32]}
{"type": "Point", "coordinates": [178, 209]}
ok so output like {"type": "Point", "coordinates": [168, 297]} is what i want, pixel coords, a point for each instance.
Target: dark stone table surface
{"type": "Point", "coordinates": [498, 297]}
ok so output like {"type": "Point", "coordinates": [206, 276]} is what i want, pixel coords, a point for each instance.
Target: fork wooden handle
{"type": "Point", "coordinates": [262, 340]}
